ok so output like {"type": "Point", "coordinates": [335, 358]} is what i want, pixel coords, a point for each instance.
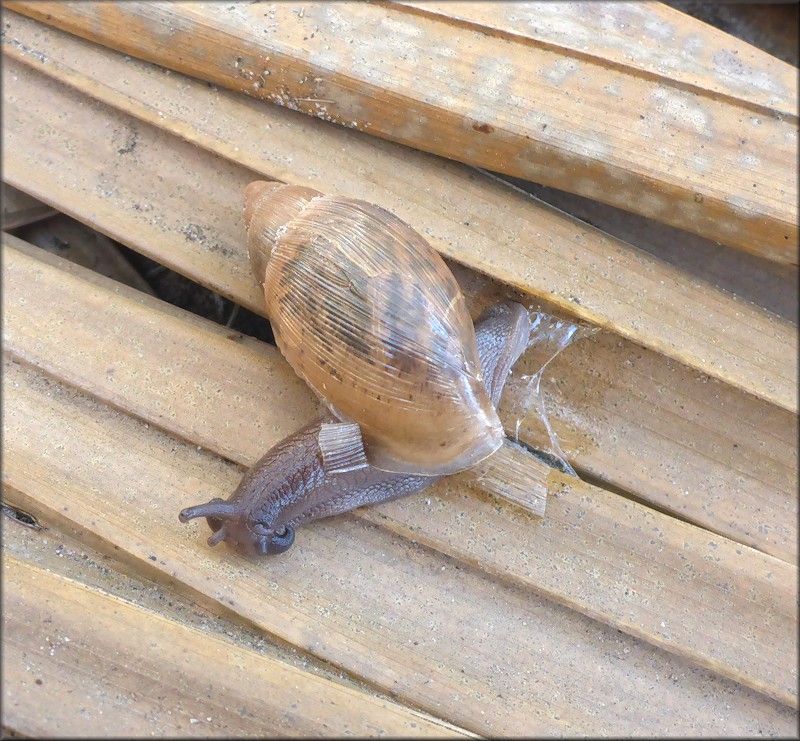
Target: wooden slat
{"type": "Point", "coordinates": [660, 561]}
{"type": "Point", "coordinates": [672, 437]}
{"type": "Point", "coordinates": [752, 279]}
{"type": "Point", "coordinates": [715, 157]}
{"type": "Point", "coordinates": [528, 246]}
{"type": "Point", "coordinates": [648, 37]}
{"type": "Point", "coordinates": [739, 468]}
{"type": "Point", "coordinates": [419, 626]}
{"type": "Point", "coordinates": [84, 654]}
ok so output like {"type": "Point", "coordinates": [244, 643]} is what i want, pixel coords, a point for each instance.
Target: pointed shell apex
{"type": "Point", "coordinates": [253, 193]}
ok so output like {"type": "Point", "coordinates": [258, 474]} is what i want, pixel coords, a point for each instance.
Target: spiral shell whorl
{"type": "Point", "coordinates": [268, 206]}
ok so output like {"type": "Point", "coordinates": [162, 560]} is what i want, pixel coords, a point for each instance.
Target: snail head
{"type": "Point", "coordinates": [230, 523]}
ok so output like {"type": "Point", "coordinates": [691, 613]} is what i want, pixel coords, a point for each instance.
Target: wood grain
{"type": "Point", "coordinates": [713, 153]}
{"type": "Point", "coordinates": [428, 631]}
{"type": "Point", "coordinates": [752, 279]}
{"type": "Point", "coordinates": [86, 654]}
{"type": "Point", "coordinates": [654, 562]}
{"type": "Point", "coordinates": [511, 236]}
{"type": "Point", "coordinates": [736, 473]}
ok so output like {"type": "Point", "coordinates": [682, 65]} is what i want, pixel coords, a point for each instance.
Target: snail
{"type": "Point", "coordinates": [290, 486]}
{"type": "Point", "coordinates": [370, 316]}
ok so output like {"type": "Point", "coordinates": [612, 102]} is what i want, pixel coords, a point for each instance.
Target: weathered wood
{"type": "Point", "coordinates": [659, 562]}
{"type": "Point", "coordinates": [753, 279]}
{"type": "Point", "coordinates": [85, 654]}
{"type": "Point", "coordinates": [648, 37]}
{"type": "Point", "coordinates": [749, 459]}
{"type": "Point", "coordinates": [570, 265]}
{"type": "Point", "coordinates": [712, 152]}
{"type": "Point", "coordinates": [426, 624]}
{"type": "Point", "coordinates": [417, 625]}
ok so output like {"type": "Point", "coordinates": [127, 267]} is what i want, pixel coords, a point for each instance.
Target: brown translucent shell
{"type": "Point", "coordinates": [369, 315]}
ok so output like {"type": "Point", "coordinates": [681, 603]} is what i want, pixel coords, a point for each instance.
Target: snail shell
{"type": "Point", "coordinates": [369, 315]}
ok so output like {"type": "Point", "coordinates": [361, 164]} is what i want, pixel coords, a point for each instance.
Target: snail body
{"type": "Point", "coordinates": [369, 315]}
{"type": "Point", "coordinates": [291, 484]}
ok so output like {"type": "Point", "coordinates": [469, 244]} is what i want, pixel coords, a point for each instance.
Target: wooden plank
{"type": "Point", "coordinates": [54, 549]}
{"type": "Point", "coordinates": [771, 27]}
{"type": "Point", "coordinates": [753, 279]}
{"type": "Point", "coordinates": [648, 37]}
{"type": "Point", "coordinates": [572, 266]}
{"type": "Point", "coordinates": [749, 460]}
{"type": "Point", "coordinates": [720, 165]}
{"type": "Point", "coordinates": [674, 438]}
{"type": "Point", "coordinates": [410, 622]}
{"type": "Point", "coordinates": [659, 561]}
{"type": "Point", "coordinates": [185, 682]}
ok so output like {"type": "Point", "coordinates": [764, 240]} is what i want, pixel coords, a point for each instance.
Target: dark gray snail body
{"type": "Point", "coordinates": [291, 485]}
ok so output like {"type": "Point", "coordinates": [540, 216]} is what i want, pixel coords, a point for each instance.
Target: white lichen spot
{"type": "Point", "coordinates": [539, 121]}
{"type": "Point", "coordinates": [447, 51]}
{"type": "Point", "coordinates": [728, 66]}
{"type": "Point", "coordinates": [493, 81]}
{"type": "Point", "coordinates": [560, 71]}
{"type": "Point", "coordinates": [749, 160]}
{"type": "Point", "coordinates": [613, 89]}
{"type": "Point", "coordinates": [659, 29]}
{"type": "Point", "coordinates": [699, 163]}
{"type": "Point", "coordinates": [740, 205]}
{"type": "Point", "coordinates": [590, 145]}
{"type": "Point", "coordinates": [681, 108]}
{"type": "Point", "coordinates": [693, 45]}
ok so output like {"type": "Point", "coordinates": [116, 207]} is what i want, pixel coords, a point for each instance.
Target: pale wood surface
{"type": "Point", "coordinates": [657, 597]}
{"type": "Point", "coordinates": [711, 149]}
{"type": "Point", "coordinates": [753, 279]}
{"type": "Point", "coordinates": [184, 681]}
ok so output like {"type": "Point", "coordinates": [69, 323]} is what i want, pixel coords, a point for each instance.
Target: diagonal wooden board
{"type": "Point", "coordinates": [721, 481]}
{"type": "Point", "coordinates": [510, 235]}
{"type": "Point", "coordinates": [629, 566]}
{"type": "Point", "coordinates": [87, 654]}
{"type": "Point", "coordinates": [711, 152]}
{"type": "Point", "coordinates": [431, 632]}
